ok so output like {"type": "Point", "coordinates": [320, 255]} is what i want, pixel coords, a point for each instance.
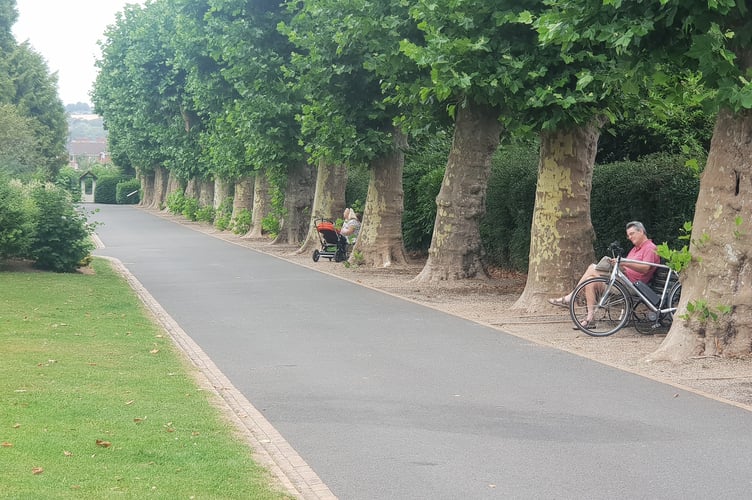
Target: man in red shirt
{"type": "Point", "coordinates": [644, 250]}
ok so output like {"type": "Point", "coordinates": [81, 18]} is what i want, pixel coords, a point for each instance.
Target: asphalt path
{"type": "Point", "coordinates": [387, 399]}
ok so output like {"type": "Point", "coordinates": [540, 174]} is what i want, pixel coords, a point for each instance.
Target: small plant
{"type": "Point", "coordinates": [223, 217]}
{"type": "Point", "coordinates": [702, 312]}
{"type": "Point", "coordinates": [190, 208]}
{"type": "Point", "coordinates": [176, 202]}
{"type": "Point", "coordinates": [270, 225]}
{"type": "Point", "coordinates": [357, 258]}
{"type": "Point", "coordinates": [242, 223]}
{"type": "Point", "coordinates": [677, 259]}
{"type": "Point", "coordinates": [738, 223]}
{"type": "Point", "coordinates": [205, 214]}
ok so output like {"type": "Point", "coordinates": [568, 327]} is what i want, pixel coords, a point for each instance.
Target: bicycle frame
{"type": "Point", "coordinates": [617, 275]}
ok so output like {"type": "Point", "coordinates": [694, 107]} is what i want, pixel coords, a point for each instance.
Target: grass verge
{"type": "Point", "coordinates": [96, 402]}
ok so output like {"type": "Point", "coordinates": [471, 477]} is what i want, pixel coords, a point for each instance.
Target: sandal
{"type": "Point", "coordinates": [585, 324]}
{"type": "Point", "coordinates": [560, 302]}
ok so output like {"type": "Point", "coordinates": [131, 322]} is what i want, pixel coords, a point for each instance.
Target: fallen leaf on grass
{"type": "Point", "coordinates": [17, 426]}
{"type": "Point", "coordinates": [7, 445]}
{"type": "Point", "coordinates": [138, 420]}
{"type": "Point", "coordinates": [67, 453]}
{"type": "Point", "coordinates": [37, 470]}
{"type": "Point", "coordinates": [103, 444]}
{"type": "Point", "coordinates": [154, 351]}
{"type": "Point", "coordinates": [128, 403]}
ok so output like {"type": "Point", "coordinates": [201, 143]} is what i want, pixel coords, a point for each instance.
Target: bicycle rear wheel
{"type": "Point", "coordinates": [608, 309]}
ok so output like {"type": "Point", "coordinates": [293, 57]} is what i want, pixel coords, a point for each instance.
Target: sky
{"type": "Point", "coordinates": [65, 33]}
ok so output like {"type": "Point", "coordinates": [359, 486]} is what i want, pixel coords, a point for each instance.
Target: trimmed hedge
{"type": "Point", "coordinates": [658, 190]}
{"type": "Point", "coordinates": [106, 191]}
{"type": "Point", "coordinates": [124, 188]}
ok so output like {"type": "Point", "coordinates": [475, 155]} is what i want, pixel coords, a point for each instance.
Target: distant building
{"type": "Point", "coordinates": [92, 150]}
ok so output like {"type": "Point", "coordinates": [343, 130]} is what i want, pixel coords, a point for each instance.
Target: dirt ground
{"type": "Point", "coordinates": [487, 302]}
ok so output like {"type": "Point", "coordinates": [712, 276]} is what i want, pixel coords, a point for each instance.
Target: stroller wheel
{"type": "Point", "coordinates": [339, 256]}
{"type": "Point", "coordinates": [316, 255]}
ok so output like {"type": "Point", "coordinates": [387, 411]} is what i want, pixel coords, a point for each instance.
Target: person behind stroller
{"type": "Point", "coordinates": [351, 226]}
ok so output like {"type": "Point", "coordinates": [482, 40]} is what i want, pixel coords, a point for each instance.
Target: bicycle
{"type": "Point", "coordinates": [614, 300]}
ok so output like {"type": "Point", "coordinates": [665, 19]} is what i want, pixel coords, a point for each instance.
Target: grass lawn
{"type": "Point", "coordinates": [95, 402]}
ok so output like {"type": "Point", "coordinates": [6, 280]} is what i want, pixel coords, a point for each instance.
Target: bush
{"type": "Point", "coordinates": [190, 208]}
{"type": "Point", "coordinates": [176, 202]}
{"type": "Point", "coordinates": [223, 217]}
{"type": "Point", "coordinates": [60, 237]}
{"type": "Point", "coordinates": [424, 170]}
{"type": "Point", "coordinates": [505, 229]}
{"type": "Point", "coordinates": [242, 222]}
{"type": "Point", "coordinates": [106, 191]}
{"type": "Point", "coordinates": [658, 190]}
{"type": "Point", "coordinates": [124, 188]}
{"type": "Point", "coordinates": [15, 227]}
{"type": "Point", "coordinates": [205, 214]}
{"type": "Point", "coordinates": [68, 179]}
{"type": "Point", "coordinates": [270, 225]}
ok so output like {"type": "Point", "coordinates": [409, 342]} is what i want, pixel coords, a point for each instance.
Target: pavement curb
{"type": "Point", "coordinates": [270, 449]}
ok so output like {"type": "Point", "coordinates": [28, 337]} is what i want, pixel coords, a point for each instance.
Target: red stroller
{"type": "Point", "coordinates": [333, 244]}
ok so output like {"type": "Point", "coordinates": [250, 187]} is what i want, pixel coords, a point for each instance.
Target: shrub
{"type": "Point", "coordinates": [205, 214]}
{"type": "Point", "coordinates": [68, 179]}
{"type": "Point", "coordinates": [60, 237]}
{"type": "Point", "coordinates": [223, 217]}
{"type": "Point", "coordinates": [14, 221]}
{"type": "Point", "coordinates": [106, 191]}
{"type": "Point", "coordinates": [190, 208]}
{"type": "Point", "coordinates": [176, 202]}
{"type": "Point", "coordinates": [659, 190]}
{"type": "Point", "coordinates": [125, 188]}
{"type": "Point", "coordinates": [424, 170]}
{"type": "Point", "coordinates": [270, 225]}
{"type": "Point", "coordinates": [505, 229]}
{"type": "Point", "coordinates": [242, 222]}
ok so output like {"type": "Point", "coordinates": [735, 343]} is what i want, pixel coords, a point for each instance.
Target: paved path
{"type": "Point", "coordinates": [387, 399]}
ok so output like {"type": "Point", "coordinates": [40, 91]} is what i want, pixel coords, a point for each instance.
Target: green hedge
{"type": "Point", "coordinates": [658, 190]}
{"type": "Point", "coordinates": [124, 188]}
{"type": "Point", "coordinates": [106, 191]}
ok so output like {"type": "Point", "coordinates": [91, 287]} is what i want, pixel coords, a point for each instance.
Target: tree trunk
{"type": "Point", "coordinates": [328, 201]}
{"type": "Point", "coordinates": [161, 175]}
{"type": "Point", "coordinates": [243, 199]}
{"type": "Point", "coordinates": [147, 188]}
{"type": "Point", "coordinates": [222, 189]}
{"type": "Point", "coordinates": [720, 274]}
{"type": "Point", "coordinates": [298, 200]}
{"type": "Point", "coordinates": [192, 188]}
{"type": "Point", "coordinates": [456, 252]}
{"type": "Point", "coordinates": [173, 184]}
{"type": "Point", "coordinates": [562, 236]}
{"type": "Point", "coordinates": [380, 238]}
{"type": "Point", "coordinates": [205, 192]}
{"type": "Point", "coordinates": [262, 204]}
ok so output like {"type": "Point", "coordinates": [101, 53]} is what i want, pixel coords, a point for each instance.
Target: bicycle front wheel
{"type": "Point", "coordinates": [599, 308]}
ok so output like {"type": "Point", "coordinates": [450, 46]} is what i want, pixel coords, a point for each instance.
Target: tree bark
{"type": "Point", "coordinates": [205, 192]}
{"type": "Point", "coordinates": [262, 204]}
{"type": "Point", "coordinates": [328, 201]}
{"type": "Point", "coordinates": [562, 235]}
{"type": "Point", "coordinates": [720, 274]}
{"type": "Point", "coordinates": [298, 201]}
{"type": "Point", "coordinates": [243, 199]}
{"type": "Point", "coordinates": [222, 189]}
{"type": "Point", "coordinates": [380, 238]}
{"type": "Point", "coordinates": [173, 184]}
{"type": "Point", "coordinates": [192, 188]}
{"type": "Point", "coordinates": [456, 252]}
{"type": "Point", "coordinates": [147, 188]}
{"type": "Point", "coordinates": [161, 175]}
